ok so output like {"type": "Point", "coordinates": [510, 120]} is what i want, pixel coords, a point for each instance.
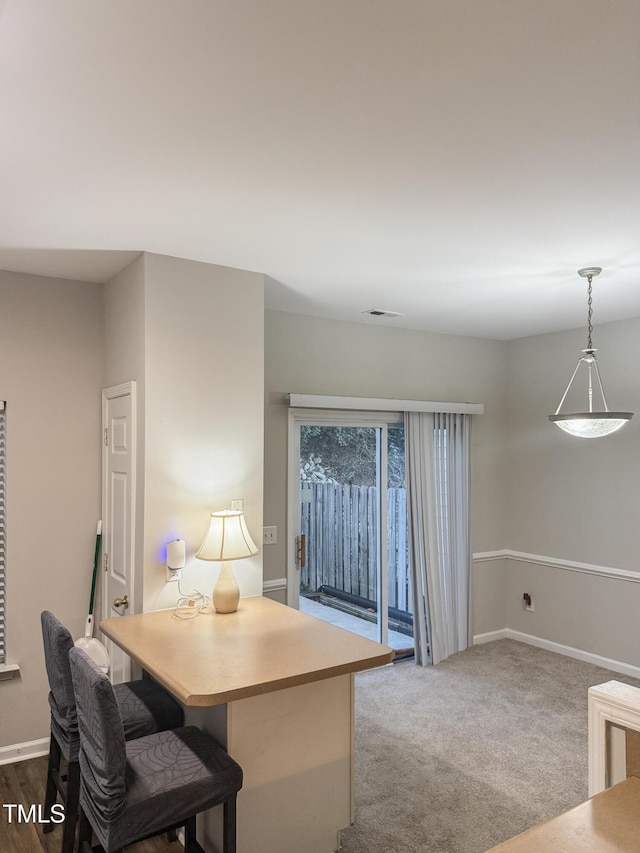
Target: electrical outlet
{"type": "Point", "coordinates": [238, 505]}
{"type": "Point", "coordinates": [173, 574]}
{"type": "Point", "coordinates": [527, 600]}
{"type": "Point", "coordinates": [269, 535]}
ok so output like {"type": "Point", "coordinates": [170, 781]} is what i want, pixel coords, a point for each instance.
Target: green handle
{"type": "Point", "coordinates": [95, 566]}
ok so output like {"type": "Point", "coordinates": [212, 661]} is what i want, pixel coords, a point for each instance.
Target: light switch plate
{"type": "Point", "coordinates": [269, 535]}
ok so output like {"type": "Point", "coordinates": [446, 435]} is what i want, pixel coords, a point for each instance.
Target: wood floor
{"type": "Point", "coordinates": [24, 783]}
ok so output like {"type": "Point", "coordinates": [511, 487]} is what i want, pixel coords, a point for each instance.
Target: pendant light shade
{"type": "Point", "coordinates": [590, 423]}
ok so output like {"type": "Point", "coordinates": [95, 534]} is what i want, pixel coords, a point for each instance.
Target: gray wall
{"type": "Point", "coordinates": [317, 356]}
{"type": "Point", "coordinates": [573, 499]}
{"type": "Point", "coordinates": [51, 357]}
{"type": "Point", "coordinates": [573, 503]}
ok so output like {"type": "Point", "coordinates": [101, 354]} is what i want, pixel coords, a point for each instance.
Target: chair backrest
{"type": "Point", "coordinates": [58, 642]}
{"type": "Point", "coordinates": [102, 742]}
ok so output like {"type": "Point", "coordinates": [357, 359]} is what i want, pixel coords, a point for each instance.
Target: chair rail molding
{"type": "Point", "coordinates": [274, 585]}
{"type": "Point", "coordinates": [558, 563]}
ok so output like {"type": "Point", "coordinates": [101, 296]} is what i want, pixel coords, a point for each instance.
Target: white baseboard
{"type": "Point", "coordinates": [23, 751]}
{"type": "Point", "coordinates": [559, 648]}
{"type": "Point", "coordinates": [490, 637]}
{"type": "Point", "coordinates": [9, 671]}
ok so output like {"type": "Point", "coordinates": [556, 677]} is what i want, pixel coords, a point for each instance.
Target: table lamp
{"type": "Point", "coordinates": [227, 539]}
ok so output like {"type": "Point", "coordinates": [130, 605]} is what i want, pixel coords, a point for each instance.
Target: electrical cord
{"type": "Point", "coordinates": [190, 604]}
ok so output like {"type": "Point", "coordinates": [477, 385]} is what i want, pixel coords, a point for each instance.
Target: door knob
{"type": "Point", "coordinates": [121, 602]}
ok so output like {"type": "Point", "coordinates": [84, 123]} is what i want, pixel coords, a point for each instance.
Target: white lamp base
{"type": "Point", "coordinates": [226, 593]}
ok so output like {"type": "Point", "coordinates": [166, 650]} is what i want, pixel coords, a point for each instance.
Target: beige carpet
{"type": "Point", "coordinates": [459, 757]}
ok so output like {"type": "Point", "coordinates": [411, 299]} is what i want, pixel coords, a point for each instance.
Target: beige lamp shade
{"type": "Point", "coordinates": [227, 539]}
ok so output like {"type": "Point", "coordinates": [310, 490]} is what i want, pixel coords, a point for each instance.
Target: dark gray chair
{"type": "Point", "coordinates": [132, 790]}
{"type": "Point", "coordinates": [145, 708]}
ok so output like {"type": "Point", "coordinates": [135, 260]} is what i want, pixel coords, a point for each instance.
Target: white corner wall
{"type": "Point", "coordinates": [192, 336]}
{"type": "Point", "coordinates": [204, 415]}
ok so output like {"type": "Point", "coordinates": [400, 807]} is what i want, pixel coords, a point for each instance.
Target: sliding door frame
{"type": "Point", "coordinates": [338, 418]}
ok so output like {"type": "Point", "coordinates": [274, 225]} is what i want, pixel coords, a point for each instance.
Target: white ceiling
{"type": "Point", "coordinates": [453, 160]}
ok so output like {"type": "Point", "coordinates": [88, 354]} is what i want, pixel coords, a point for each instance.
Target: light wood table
{"type": "Point", "coordinates": [276, 688]}
{"type": "Point", "coordinates": [607, 823]}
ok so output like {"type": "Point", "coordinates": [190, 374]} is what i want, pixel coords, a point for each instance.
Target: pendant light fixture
{"type": "Point", "coordinates": [589, 424]}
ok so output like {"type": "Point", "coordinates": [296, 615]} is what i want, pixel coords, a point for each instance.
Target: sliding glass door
{"type": "Point", "coordinates": [350, 557]}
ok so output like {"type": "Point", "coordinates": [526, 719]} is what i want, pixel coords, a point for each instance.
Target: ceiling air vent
{"type": "Point", "coordinates": [380, 312]}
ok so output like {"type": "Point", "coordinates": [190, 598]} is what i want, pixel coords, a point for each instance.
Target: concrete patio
{"type": "Point", "coordinates": [352, 623]}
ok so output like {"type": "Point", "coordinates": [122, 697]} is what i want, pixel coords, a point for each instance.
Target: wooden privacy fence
{"type": "Point", "coordinates": [340, 524]}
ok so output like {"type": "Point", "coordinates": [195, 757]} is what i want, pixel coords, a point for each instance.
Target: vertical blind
{"type": "Point", "coordinates": [438, 450]}
{"type": "Point", "coordinates": [2, 529]}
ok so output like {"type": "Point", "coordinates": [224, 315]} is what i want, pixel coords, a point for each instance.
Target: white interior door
{"type": "Point", "coordinates": [118, 513]}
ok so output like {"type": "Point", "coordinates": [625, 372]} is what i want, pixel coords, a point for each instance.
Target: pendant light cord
{"type": "Point", "coordinates": [590, 304]}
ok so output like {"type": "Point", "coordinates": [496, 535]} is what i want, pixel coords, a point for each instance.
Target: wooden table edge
{"type": "Point", "coordinates": [383, 658]}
